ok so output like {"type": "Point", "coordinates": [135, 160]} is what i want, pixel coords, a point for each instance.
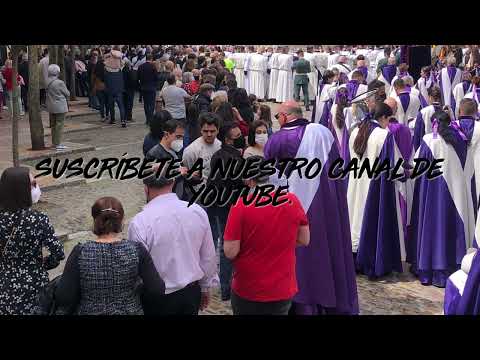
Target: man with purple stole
{"type": "Point", "coordinates": [444, 207]}
{"type": "Point", "coordinates": [423, 122]}
{"type": "Point", "coordinates": [462, 89]}
{"type": "Point", "coordinates": [325, 269]}
{"type": "Point", "coordinates": [426, 81]}
{"type": "Point", "coordinates": [375, 212]}
{"type": "Point", "coordinates": [408, 103]}
{"type": "Point", "coordinates": [449, 77]}
{"type": "Point", "coordinates": [387, 73]}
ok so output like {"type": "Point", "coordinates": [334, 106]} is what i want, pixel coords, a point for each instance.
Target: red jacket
{"type": "Point", "coordinates": [7, 74]}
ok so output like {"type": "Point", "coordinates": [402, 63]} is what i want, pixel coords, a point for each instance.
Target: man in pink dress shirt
{"type": "Point", "coordinates": [179, 239]}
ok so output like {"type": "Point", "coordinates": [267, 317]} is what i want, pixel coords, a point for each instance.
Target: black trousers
{"type": "Point", "coordinates": [182, 302]}
{"type": "Point", "coordinates": [24, 96]}
{"type": "Point", "coordinates": [241, 306]}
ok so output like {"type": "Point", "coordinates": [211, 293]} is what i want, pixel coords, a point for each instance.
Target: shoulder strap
{"type": "Point", "coordinates": [12, 235]}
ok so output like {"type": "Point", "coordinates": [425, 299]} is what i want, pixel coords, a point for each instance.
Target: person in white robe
{"type": "Point", "coordinates": [239, 58]}
{"type": "Point", "coordinates": [256, 68]}
{"type": "Point", "coordinates": [273, 67]}
{"type": "Point", "coordinates": [268, 54]}
{"type": "Point", "coordinates": [285, 78]}
{"type": "Point", "coordinates": [376, 223]}
{"type": "Point", "coordinates": [362, 66]}
{"type": "Point", "coordinates": [332, 58]}
{"type": "Point", "coordinates": [322, 60]}
{"type": "Point", "coordinates": [462, 89]}
{"type": "Point", "coordinates": [408, 103]}
{"type": "Point", "coordinates": [450, 76]}
{"type": "Point", "coordinates": [314, 61]}
{"type": "Point", "coordinates": [422, 125]}
{"type": "Point", "coordinates": [325, 97]}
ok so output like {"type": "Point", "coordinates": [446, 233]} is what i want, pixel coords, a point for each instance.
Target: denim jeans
{"type": "Point", "coordinates": [225, 263]}
{"type": "Point", "coordinates": [103, 103]}
{"type": "Point", "coordinates": [117, 98]}
{"type": "Point", "coordinates": [148, 104]}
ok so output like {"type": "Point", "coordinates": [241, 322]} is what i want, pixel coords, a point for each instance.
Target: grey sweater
{"type": "Point", "coordinates": [57, 94]}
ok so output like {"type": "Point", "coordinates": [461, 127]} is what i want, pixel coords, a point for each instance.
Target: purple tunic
{"type": "Point", "coordinates": [352, 88]}
{"type": "Point", "coordinates": [325, 269]}
{"type": "Point", "coordinates": [379, 243]}
{"type": "Point", "coordinates": [469, 303]}
{"type": "Point", "coordinates": [438, 241]}
{"type": "Point", "coordinates": [388, 72]}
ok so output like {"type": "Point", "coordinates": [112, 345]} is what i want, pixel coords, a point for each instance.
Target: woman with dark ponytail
{"type": "Point", "coordinates": [324, 98]}
{"type": "Point", "coordinates": [340, 121]}
{"type": "Point", "coordinates": [375, 212]}
{"type": "Point", "coordinates": [444, 207]}
{"type": "Point", "coordinates": [423, 122]}
{"type": "Point", "coordinates": [101, 277]}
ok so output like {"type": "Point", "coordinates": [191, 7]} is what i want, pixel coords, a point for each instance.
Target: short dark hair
{"type": "Point", "coordinates": [469, 107]}
{"type": "Point", "coordinates": [387, 51]}
{"type": "Point", "coordinates": [156, 125]}
{"type": "Point", "coordinates": [15, 189]}
{"type": "Point", "coordinates": [208, 118]}
{"type": "Point", "coordinates": [169, 126]}
{"type": "Point", "coordinates": [399, 83]}
{"type": "Point", "coordinates": [171, 79]}
{"type": "Point", "coordinates": [375, 84]}
{"type": "Point", "coordinates": [204, 88]}
{"type": "Point", "coordinates": [225, 130]}
{"type": "Point", "coordinates": [435, 93]}
{"type": "Point", "coordinates": [251, 130]}
{"type": "Point", "coordinates": [107, 213]}
{"type": "Point", "coordinates": [357, 74]}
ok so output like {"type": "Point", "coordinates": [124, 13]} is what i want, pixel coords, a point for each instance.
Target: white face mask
{"type": "Point", "coordinates": [177, 145]}
{"type": "Point", "coordinates": [36, 192]}
{"type": "Point", "coordinates": [261, 139]}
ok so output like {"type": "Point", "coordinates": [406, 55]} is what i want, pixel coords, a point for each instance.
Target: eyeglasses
{"type": "Point", "coordinates": [278, 115]}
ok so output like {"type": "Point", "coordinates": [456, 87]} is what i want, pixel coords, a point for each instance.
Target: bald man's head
{"type": "Point", "coordinates": [291, 110]}
{"type": "Point", "coordinates": [392, 103]}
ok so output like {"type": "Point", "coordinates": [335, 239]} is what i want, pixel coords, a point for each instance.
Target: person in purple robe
{"type": "Point", "coordinates": [444, 207]}
{"type": "Point", "coordinates": [374, 210]}
{"type": "Point", "coordinates": [423, 122]}
{"type": "Point", "coordinates": [462, 291]}
{"type": "Point", "coordinates": [325, 269]}
{"type": "Point", "coordinates": [337, 122]}
{"type": "Point", "coordinates": [449, 77]}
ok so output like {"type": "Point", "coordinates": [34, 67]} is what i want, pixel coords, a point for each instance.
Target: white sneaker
{"type": "Point", "coordinates": [5, 108]}
{"type": "Point", "coordinates": [61, 147]}
{"type": "Point", "coordinates": [22, 114]}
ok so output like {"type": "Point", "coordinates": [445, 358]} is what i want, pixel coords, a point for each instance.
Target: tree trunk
{"type": "Point", "coordinates": [52, 54]}
{"type": "Point", "coordinates": [34, 113]}
{"type": "Point", "coordinates": [73, 87]}
{"type": "Point", "coordinates": [15, 108]}
{"type": "Point", "coordinates": [61, 61]}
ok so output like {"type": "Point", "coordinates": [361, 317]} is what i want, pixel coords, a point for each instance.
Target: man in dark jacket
{"type": "Point", "coordinates": [232, 144]}
{"type": "Point", "coordinates": [23, 72]}
{"type": "Point", "coordinates": [200, 104]}
{"type": "Point", "coordinates": [129, 91]}
{"type": "Point", "coordinates": [147, 77]}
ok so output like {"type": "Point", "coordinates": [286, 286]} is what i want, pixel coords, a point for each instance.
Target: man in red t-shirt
{"type": "Point", "coordinates": [261, 241]}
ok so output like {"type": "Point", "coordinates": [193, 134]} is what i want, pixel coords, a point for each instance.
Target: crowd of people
{"type": "Point", "coordinates": [300, 257]}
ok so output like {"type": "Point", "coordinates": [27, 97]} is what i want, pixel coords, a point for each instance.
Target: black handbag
{"type": "Point", "coordinates": [46, 299]}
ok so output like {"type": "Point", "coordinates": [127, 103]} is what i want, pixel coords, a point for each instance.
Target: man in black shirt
{"type": "Point", "coordinates": [232, 144]}
{"type": "Point", "coordinates": [147, 77]}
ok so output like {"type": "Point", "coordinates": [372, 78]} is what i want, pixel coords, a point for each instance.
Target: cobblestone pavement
{"type": "Point", "coordinates": [69, 211]}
